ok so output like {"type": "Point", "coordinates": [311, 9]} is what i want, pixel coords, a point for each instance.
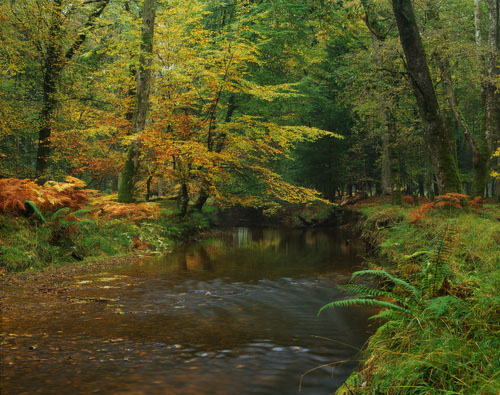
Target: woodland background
{"type": "Point", "coordinates": [251, 102]}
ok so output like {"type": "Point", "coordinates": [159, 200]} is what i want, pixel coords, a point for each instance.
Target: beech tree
{"type": "Point", "coordinates": [129, 175]}
{"type": "Point", "coordinates": [437, 137]}
{"type": "Point", "coordinates": [55, 58]}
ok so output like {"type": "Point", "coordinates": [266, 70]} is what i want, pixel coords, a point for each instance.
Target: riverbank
{"type": "Point", "coordinates": [106, 229]}
{"type": "Point", "coordinates": [448, 339]}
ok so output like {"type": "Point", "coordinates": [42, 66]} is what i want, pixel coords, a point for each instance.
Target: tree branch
{"type": "Point", "coordinates": [83, 32]}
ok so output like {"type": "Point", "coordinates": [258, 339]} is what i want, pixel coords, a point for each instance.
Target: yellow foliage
{"type": "Point", "coordinates": [133, 212]}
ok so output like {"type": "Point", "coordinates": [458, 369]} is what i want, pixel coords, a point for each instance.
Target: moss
{"type": "Point", "coordinates": [26, 244]}
{"type": "Point", "coordinates": [454, 352]}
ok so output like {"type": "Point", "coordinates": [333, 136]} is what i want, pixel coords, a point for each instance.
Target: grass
{"type": "Point", "coordinates": [450, 344]}
{"type": "Point", "coordinates": [67, 236]}
{"type": "Point", "coordinates": [26, 243]}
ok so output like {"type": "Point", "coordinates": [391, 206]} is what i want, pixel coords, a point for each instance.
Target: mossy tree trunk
{"type": "Point", "coordinates": [55, 61]}
{"type": "Point", "coordinates": [492, 94]}
{"type": "Point", "coordinates": [131, 169]}
{"type": "Point", "coordinates": [183, 200]}
{"type": "Point", "coordinates": [436, 136]}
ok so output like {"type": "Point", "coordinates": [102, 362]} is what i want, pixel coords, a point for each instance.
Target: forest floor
{"type": "Point", "coordinates": [448, 339]}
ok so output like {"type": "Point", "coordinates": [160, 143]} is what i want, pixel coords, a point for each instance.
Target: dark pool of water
{"type": "Point", "coordinates": [232, 315]}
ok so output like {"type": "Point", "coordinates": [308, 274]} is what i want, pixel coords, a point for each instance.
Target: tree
{"type": "Point", "coordinates": [436, 135]}
{"type": "Point", "coordinates": [129, 175]}
{"type": "Point", "coordinates": [55, 59]}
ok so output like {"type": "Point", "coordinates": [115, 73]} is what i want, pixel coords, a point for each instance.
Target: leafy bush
{"type": "Point", "coordinates": [183, 229]}
{"type": "Point", "coordinates": [449, 201]}
{"type": "Point", "coordinates": [14, 193]}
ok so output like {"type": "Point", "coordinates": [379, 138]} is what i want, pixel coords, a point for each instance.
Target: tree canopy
{"type": "Point", "coordinates": [253, 103]}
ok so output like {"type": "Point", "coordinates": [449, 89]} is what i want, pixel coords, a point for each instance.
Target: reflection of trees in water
{"type": "Point", "coordinates": [195, 256]}
{"type": "Point", "coordinates": [252, 248]}
{"type": "Point", "coordinates": [182, 259]}
{"type": "Point", "coordinates": [204, 258]}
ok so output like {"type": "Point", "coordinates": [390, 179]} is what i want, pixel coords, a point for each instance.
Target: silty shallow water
{"type": "Point", "coordinates": [232, 315]}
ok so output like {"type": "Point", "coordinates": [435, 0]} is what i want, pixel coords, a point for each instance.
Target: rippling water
{"type": "Point", "coordinates": [232, 315]}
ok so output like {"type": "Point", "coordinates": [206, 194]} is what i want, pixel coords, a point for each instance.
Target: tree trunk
{"type": "Point", "coordinates": [478, 144]}
{"type": "Point", "coordinates": [421, 185]}
{"type": "Point", "coordinates": [54, 64]}
{"type": "Point", "coordinates": [436, 136]}
{"type": "Point", "coordinates": [130, 173]}
{"type": "Point", "coordinates": [202, 199]}
{"type": "Point", "coordinates": [396, 172]}
{"type": "Point", "coordinates": [51, 72]}
{"type": "Point", "coordinates": [148, 188]}
{"type": "Point", "coordinates": [492, 94]}
{"type": "Point", "coordinates": [386, 165]}
{"type": "Point", "coordinates": [492, 121]}
{"type": "Point", "coordinates": [217, 147]}
{"type": "Point", "coordinates": [183, 200]}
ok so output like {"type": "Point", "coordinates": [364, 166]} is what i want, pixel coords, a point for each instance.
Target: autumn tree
{"type": "Point", "coordinates": [129, 175]}
{"type": "Point", "coordinates": [56, 56]}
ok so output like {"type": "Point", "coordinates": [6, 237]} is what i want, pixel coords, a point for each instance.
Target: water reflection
{"type": "Point", "coordinates": [232, 315]}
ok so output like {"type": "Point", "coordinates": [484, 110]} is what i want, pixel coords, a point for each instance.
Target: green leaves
{"type": "Point", "coordinates": [384, 274]}
{"type": "Point", "coordinates": [366, 296]}
{"type": "Point", "coordinates": [441, 305]}
{"type": "Point", "coordinates": [364, 302]}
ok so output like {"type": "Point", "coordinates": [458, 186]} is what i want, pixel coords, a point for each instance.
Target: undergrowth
{"type": "Point", "coordinates": [62, 222]}
{"type": "Point", "coordinates": [27, 243]}
{"type": "Point", "coordinates": [440, 303]}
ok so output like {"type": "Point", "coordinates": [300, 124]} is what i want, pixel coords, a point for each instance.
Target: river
{"type": "Point", "coordinates": [235, 314]}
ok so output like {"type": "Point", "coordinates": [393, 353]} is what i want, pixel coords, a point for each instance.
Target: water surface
{"type": "Point", "coordinates": [232, 315]}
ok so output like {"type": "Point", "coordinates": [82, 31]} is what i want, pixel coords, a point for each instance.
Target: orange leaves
{"type": "Point", "coordinates": [418, 214]}
{"type": "Point", "coordinates": [408, 199]}
{"type": "Point", "coordinates": [51, 196]}
{"type": "Point", "coordinates": [451, 200]}
{"type": "Point", "coordinates": [476, 203]}
{"type": "Point", "coordinates": [448, 200]}
{"type": "Point", "coordinates": [131, 211]}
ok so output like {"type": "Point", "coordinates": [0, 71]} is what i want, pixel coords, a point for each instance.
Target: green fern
{"type": "Point", "coordinates": [363, 302]}
{"type": "Point", "coordinates": [81, 211]}
{"type": "Point", "coordinates": [59, 212]}
{"type": "Point", "coordinates": [441, 305]}
{"type": "Point", "coordinates": [362, 290]}
{"type": "Point", "coordinates": [35, 209]}
{"type": "Point", "coordinates": [382, 273]}
{"type": "Point", "coordinates": [389, 315]}
{"type": "Point", "coordinates": [437, 265]}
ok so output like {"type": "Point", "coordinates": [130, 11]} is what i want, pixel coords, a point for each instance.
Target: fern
{"type": "Point", "coordinates": [61, 211]}
{"type": "Point", "coordinates": [362, 290]}
{"type": "Point", "coordinates": [395, 280]}
{"type": "Point", "coordinates": [35, 209]}
{"type": "Point", "coordinates": [389, 315]}
{"type": "Point", "coordinates": [81, 211]}
{"type": "Point", "coordinates": [134, 212]}
{"type": "Point", "coordinates": [363, 302]}
{"type": "Point", "coordinates": [49, 197]}
{"type": "Point", "coordinates": [441, 305]}
{"type": "Point", "coordinates": [437, 268]}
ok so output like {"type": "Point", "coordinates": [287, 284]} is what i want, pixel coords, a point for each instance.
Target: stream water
{"type": "Point", "coordinates": [236, 314]}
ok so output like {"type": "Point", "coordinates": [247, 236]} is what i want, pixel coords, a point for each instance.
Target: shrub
{"type": "Point", "coordinates": [450, 201]}
{"type": "Point", "coordinates": [185, 228]}
{"type": "Point", "coordinates": [14, 193]}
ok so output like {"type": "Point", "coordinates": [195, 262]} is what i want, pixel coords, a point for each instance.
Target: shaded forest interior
{"type": "Point", "coordinates": [257, 103]}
